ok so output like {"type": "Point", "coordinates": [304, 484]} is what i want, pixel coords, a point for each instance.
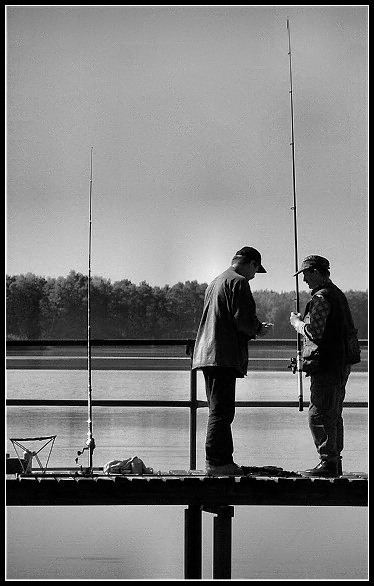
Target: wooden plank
{"type": "Point", "coordinates": [186, 490]}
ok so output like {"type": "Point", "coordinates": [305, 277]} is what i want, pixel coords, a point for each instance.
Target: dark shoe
{"type": "Point", "coordinates": [323, 470]}
{"type": "Point", "coordinates": [224, 470]}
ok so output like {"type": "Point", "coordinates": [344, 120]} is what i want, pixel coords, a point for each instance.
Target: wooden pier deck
{"type": "Point", "coordinates": [185, 489]}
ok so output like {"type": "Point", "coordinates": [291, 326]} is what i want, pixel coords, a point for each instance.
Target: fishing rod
{"type": "Point", "coordinates": [90, 442]}
{"type": "Point", "coordinates": [296, 364]}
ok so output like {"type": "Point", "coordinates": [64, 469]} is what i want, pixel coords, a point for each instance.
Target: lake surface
{"type": "Point", "coordinates": [145, 542]}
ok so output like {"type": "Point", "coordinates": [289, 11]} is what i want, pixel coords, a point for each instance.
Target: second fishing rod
{"type": "Point", "coordinates": [296, 364]}
{"type": "Point", "coordinates": [90, 442]}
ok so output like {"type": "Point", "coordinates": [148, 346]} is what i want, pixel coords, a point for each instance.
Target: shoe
{"type": "Point", "coordinates": [324, 469]}
{"type": "Point", "coordinates": [224, 470]}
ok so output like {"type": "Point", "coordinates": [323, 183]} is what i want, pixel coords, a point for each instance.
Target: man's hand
{"type": "Point", "coordinates": [266, 328]}
{"type": "Point", "coordinates": [295, 319]}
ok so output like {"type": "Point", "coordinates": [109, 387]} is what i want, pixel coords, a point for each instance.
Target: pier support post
{"type": "Point", "coordinates": [193, 542]}
{"type": "Point", "coordinates": [222, 541]}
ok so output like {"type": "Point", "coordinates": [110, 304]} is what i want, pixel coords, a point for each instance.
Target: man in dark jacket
{"type": "Point", "coordinates": [228, 321]}
{"type": "Point", "coordinates": [326, 327]}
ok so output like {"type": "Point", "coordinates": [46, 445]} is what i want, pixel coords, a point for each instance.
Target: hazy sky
{"type": "Point", "coordinates": [188, 111]}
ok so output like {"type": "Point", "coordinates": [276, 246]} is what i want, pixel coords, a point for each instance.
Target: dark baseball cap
{"type": "Point", "coordinates": [249, 253]}
{"type": "Point", "coordinates": [314, 262]}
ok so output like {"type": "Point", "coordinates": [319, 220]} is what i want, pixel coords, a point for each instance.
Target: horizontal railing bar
{"type": "Point", "coordinates": [120, 342]}
{"type": "Point", "coordinates": [145, 342]}
{"type": "Point", "coordinates": [292, 404]}
{"type": "Point", "coordinates": [154, 403]}
{"type": "Point", "coordinates": [95, 403]}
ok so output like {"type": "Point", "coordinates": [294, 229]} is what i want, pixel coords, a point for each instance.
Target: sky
{"type": "Point", "coordinates": [187, 109]}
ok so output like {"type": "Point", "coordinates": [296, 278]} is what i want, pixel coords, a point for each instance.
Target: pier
{"type": "Point", "coordinates": [194, 490]}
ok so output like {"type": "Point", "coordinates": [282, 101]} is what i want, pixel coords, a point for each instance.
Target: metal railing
{"type": "Point", "coordinates": [193, 403]}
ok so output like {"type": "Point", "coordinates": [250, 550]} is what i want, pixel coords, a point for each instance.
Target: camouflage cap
{"type": "Point", "coordinates": [314, 262]}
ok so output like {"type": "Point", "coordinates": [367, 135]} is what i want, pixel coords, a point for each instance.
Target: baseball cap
{"type": "Point", "coordinates": [314, 262]}
{"type": "Point", "coordinates": [250, 253]}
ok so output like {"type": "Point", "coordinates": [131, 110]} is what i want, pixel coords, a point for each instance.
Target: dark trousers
{"type": "Point", "coordinates": [327, 392]}
{"type": "Point", "coordinates": [220, 392]}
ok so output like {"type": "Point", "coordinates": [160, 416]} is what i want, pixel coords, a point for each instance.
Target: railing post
{"type": "Point", "coordinates": [193, 405]}
{"type": "Point", "coordinates": [193, 416]}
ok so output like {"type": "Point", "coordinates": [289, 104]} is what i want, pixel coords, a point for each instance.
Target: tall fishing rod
{"type": "Point", "coordinates": [296, 365]}
{"type": "Point", "coordinates": [90, 442]}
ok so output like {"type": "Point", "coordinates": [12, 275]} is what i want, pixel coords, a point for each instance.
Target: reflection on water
{"type": "Point", "coordinates": [147, 542]}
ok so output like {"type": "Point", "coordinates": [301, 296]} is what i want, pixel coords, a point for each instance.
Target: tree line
{"type": "Point", "coordinates": [56, 308]}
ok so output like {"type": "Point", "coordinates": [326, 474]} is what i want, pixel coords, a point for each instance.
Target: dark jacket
{"type": "Point", "coordinates": [228, 321]}
{"type": "Point", "coordinates": [332, 348]}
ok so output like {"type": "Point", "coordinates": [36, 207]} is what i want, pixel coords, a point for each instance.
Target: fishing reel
{"type": "Point", "coordinates": [90, 445]}
{"type": "Point", "coordinates": [293, 365]}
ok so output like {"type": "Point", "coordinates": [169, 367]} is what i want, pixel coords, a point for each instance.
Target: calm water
{"type": "Point", "coordinates": [60, 543]}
